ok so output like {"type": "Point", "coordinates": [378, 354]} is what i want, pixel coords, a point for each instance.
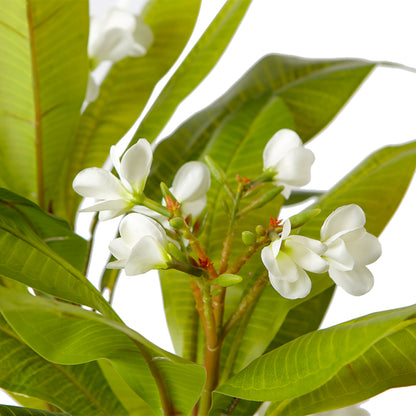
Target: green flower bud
{"type": "Point", "coordinates": [176, 223]}
{"type": "Point", "coordinates": [226, 280]}
{"type": "Point", "coordinates": [303, 217]}
{"type": "Point", "coordinates": [216, 170]}
{"type": "Point", "coordinates": [262, 200]}
{"type": "Point", "coordinates": [260, 231]}
{"type": "Point", "coordinates": [175, 252]}
{"type": "Point", "coordinates": [248, 238]}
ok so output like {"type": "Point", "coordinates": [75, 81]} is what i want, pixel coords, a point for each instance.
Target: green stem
{"type": "Point", "coordinates": [243, 314]}
{"type": "Point", "coordinates": [93, 227]}
{"type": "Point", "coordinates": [249, 299]}
{"type": "Point", "coordinates": [154, 206]}
{"type": "Point", "coordinates": [202, 295]}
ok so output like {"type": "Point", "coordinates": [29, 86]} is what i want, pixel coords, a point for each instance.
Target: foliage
{"type": "Point", "coordinates": [239, 340]}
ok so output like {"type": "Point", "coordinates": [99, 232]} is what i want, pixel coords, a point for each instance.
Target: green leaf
{"type": "Point", "coordinates": [199, 62]}
{"type": "Point", "coordinates": [42, 86]}
{"type": "Point", "coordinates": [27, 258]}
{"type": "Point", "coordinates": [55, 232]}
{"type": "Point", "coordinates": [372, 353]}
{"type": "Point", "coordinates": [69, 335]}
{"type": "Point", "coordinates": [126, 89]}
{"type": "Point", "coordinates": [78, 389]}
{"type": "Point", "coordinates": [312, 90]}
{"type": "Point", "coordinates": [24, 411]}
{"type": "Point", "coordinates": [130, 400]}
{"type": "Point", "coordinates": [377, 185]}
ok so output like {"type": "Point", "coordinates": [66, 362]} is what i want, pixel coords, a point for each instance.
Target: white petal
{"type": "Point", "coordinates": [124, 47]}
{"type": "Point", "coordinates": [303, 256]}
{"type": "Point", "coordinates": [338, 256]}
{"type": "Point", "coordinates": [99, 183]}
{"type": "Point", "coordinates": [194, 208]}
{"type": "Point", "coordinates": [111, 205]}
{"type": "Point", "coordinates": [191, 182]}
{"type": "Point", "coordinates": [288, 269]}
{"type": "Point", "coordinates": [275, 246]}
{"type": "Point", "coordinates": [295, 168]}
{"type": "Point", "coordinates": [310, 243]}
{"type": "Point", "coordinates": [269, 261]}
{"type": "Point", "coordinates": [357, 282]}
{"type": "Point", "coordinates": [119, 18]}
{"type": "Point", "coordinates": [111, 45]}
{"type": "Point", "coordinates": [134, 227]}
{"type": "Point", "coordinates": [365, 250]}
{"type": "Point", "coordinates": [143, 35]}
{"type": "Point", "coordinates": [135, 164]}
{"type": "Point", "coordinates": [277, 147]}
{"type": "Point", "coordinates": [287, 228]}
{"type": "Point", "coordinates": [293, 290]}
{"type": "Point", "coordinates": [92, 90]}
{"type": "Point", "coordinates": [146, 255]}
{"type": "Point", "coordinates": [119, 249]}
{"type": "Point", "coordinates": [117, 264]}
{"type": "Point", "coordinates": [115, 160]}
{"type": "Point", "coordinates": [344, 219]}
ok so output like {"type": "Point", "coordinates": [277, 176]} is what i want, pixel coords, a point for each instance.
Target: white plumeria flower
{"type": "Point", "coordinates": [354, 410]}
{"type": "Point", "coordinates": [349, 249]}
{"type": "Point", "coordinates": [117, 196]}
{"type": "Point", "coordinates": [285, 155]}
{"type": "Point", "coordinates": [141, 246]}
{"type": "Point", "coordinates": [190, 186]}
{"type": "Point", "coordinates": [286, 260]}
{"type": "Point", "coordinates": [117, 35]}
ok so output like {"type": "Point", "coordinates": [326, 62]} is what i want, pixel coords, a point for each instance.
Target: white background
{"type": "Point", "coordinates": [382, 112]}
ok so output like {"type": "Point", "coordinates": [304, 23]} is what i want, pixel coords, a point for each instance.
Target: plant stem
{"type": "Point", "coordinates": [219, 299]}
{"type": "Point", "coordinates": [93, 227]}
{"type": "Point", "coordinates": [247, 300]}
{"type": "Point", "coordinates": [203, 302]}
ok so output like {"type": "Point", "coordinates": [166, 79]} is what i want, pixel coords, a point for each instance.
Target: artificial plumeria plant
{"type": "Point", "coordinates": [166, 234]}
{"type": "Point", "coordinates": [245, 284]}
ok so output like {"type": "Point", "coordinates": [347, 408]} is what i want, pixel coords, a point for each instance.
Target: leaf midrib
{"type": "Point", "coordinates": [37, 107]}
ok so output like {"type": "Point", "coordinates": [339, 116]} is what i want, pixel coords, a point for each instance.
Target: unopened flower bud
{"type": "Point", "coordinates": [302, 218]}
{"type": "Point", "coordinates": [176, 223]}
{"type": "Point", "coordinates": [248, 238]}
{"type": "Point", "coordinates": [260, 230]}
{"type": "Point", "coordinates": [226, 280]}
{"type": "Point", "coordinates": [216, 170]}
{"type": "Point", "coordinates": [175, 252]}
{"type": "Point", "coordinates": [262, 200]}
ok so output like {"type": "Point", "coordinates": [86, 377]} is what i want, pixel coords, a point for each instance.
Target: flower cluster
{"type": "Point", "coordinates": [157, 234]}
{"type": "Point", "coordinates": [344, 251]}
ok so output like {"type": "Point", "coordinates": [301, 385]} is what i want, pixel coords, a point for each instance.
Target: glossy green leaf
{"type": "Point", "coordinates": [28, 259]}
{"type": "Point", "coordinates": [42, 86]}
{"type": "Point", "coordinates": [313, 91]}
{"type": "Point", "coordinates": [79, 389]}
{"type": "Point", "coordinates": [234, 131]}
{"type": "Point", "coordinates": [198, 63]}
{"type": "Point", "coordinates": [359, 350]}
{"type": "Point", "coordinates": [24, 411]}
{"type": "Point", "coordinates": [55, 232]}
{"type": "Point", "coordinates": [126, 89]}
{"type": "Point", "coordinates": [133, 404]}
{"type": "Point", "coordinates": [69, 335]}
